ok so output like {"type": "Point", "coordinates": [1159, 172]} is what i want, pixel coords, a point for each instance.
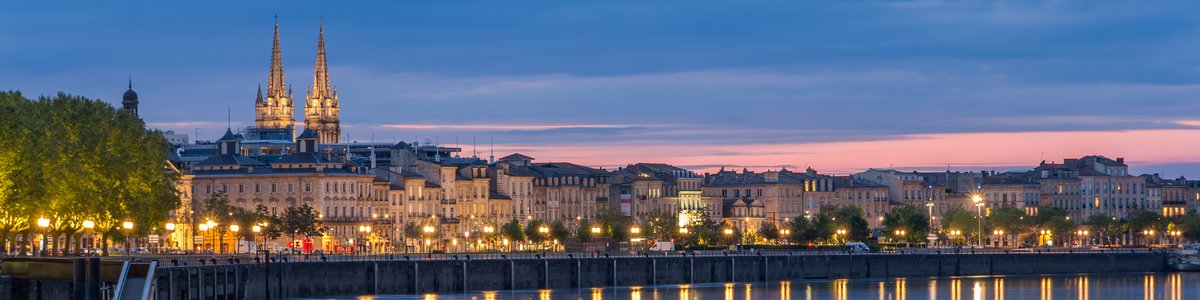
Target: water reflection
{"type": "Point", "coordinates": [1170, 286]}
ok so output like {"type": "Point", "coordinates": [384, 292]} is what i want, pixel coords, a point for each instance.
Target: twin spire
{"type": "Point", "coordinates": [321, 108]}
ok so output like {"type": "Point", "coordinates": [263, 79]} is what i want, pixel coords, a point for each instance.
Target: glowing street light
{"type": "Point", "coordinates": [43, 222]}
{"type": "Point", "coordinates": [234, 228]}
{"type": "Point", "coordinates": [683, 230]}
{"type": "Point", "coordinates": [543, 229]}
{"type": "Point", "coordinates": [170, 226]}
{"type": "Point", "coordinates": [255, 229]}
{"type": "Point", "coordinates": [127, 225]}
{"type": "Point", "coordinates": [595, 230]}
{"type": "Point", "coordinates": [88, 224]}
{"type": "Point", "coordinates": [635, 230]}
{"type": "Point", "coordinates": [728, 231]}
{"type": "Point", "coordinates": [489, 229]}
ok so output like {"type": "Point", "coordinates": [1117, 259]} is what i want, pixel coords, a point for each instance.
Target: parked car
{"type": "Point", "coordinates": [858, 247]}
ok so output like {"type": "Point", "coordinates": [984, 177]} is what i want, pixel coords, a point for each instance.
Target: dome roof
{"type": "Point", "coordinates": [130, 96]}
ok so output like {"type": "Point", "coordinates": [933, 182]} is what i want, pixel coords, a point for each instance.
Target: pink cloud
{"type": "Point", "coordinates": [961, 150]}
{"type": "Point", "coordinates": [505, 127]}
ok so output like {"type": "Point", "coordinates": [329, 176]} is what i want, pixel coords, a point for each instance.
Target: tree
{"type": "Point", "coordinates": [70, 159]}
{"type": "Point", "coordinates": [583, 231]}
{"type": "Point", "coordinates": [1009, 219]}
{"type": "Point", "coordinates": [961, 221]}
{"type": "Point", "coordinates": [768, 231]}
{"type": "Point", "coordinates": [848, 218]}
{"type": "Point", "coordinates": [303, 221]}
{"type": "Point", "coordinates": [532, 233]}
{"type": "Point", "coordinates": [512, 231]}
{"type": "Point", "coordinates": [559, 232]}
{"type": "Point", "coordinates": [1102, 226]}
{"type": "Point", "coordinates": [911, 220]}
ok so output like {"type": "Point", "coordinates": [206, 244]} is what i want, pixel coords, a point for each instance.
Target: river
{"type": "Point", "coordinates": [1168, 286]}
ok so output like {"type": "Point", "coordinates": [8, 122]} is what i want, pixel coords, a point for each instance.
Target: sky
{"type": "Point", "coordinates": [839, 86]}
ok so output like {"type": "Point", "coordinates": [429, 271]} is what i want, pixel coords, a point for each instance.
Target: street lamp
{"type": "Point", "coordinates": [365, 230]}
{"type": "Point", "coordinates": [43, 223]}
{"type": "Point", "coordinates": [999, 233]}
{"type": "Point", "coordinates": [978, 200]}
{"type": "Point", "coordinates": [429, 232]}
{"type": "Point", "coordinates": [683, 230]}
{"type": "Point", "coordinates": [635, 230]}
{"type": "Point", "coordinates": [595, 230]}
{"type": "Point", "coordinates": [234, 228]}
{"type": "Point", "coordinates": [88, 225]}
{"type": "Point", "coordinates": [128, 226]}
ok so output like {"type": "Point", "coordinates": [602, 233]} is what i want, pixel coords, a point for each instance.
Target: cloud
{"type": "Point", "coordinates": [502, 127]}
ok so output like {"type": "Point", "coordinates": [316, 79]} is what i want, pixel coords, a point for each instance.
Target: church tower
{"type": "Point", "coordinates": [321, 108]}
{"type": "Point", "coordinates": [129, 101]}
{"type": "Point", "coordinates": [276, 112]}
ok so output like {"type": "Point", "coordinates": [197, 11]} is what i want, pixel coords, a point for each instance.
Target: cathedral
{"type": "Point", "coordinates": [274, 114]}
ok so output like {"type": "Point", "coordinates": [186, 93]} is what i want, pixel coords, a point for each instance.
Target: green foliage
{"type": "Point", "coordinates": [1010, 219]}
{"type": "Point", "coordinates": [71, 159]}
{"type": "Point", "coordinates": [960, 220]}
{"type": "Point", "coordinates": [849, 218]}
{"type": "Point", "coordinates": [768, 231]}
{"type": "Point", "coordinates": [303, 221]}
{"type": "Point", "coordinates": [583, 231]}
{"type": "Point", "coordinates": [912, 220]}
{"type": "Point", "coordinates": [559, 231]}
{"type": "Point", "coordinates": [532, 233]}
{"type": "Point", "coordinates": [512, 230]}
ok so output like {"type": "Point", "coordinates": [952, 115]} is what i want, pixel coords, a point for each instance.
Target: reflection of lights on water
{"type": "Point", "coordinates": [489, 295]}
{"type": "Point", "coordinates": [1174, 286]}
{"type": "Point", "coordinates": [883, 290]}
{"type": "Point", "coordinates": [1082, 289]}
{"type": "Point", "coordinates": [955, 289]}
{"type": "Point", "coordinates": [430, 297]}
{"type": "Point", "coordinates": [544, 294]}
{"type": "Point", "coordinates": [901, 288]}
{"type": "Point", "coordinates": [977, 291]}
{"type": "Point", "coordinates": [1047, 288]}
{"type": "Point", "coordinates": [685, 291]}
{"type": "Point", "coordinates": [729, 291]}
{"type": "Point", "coordinates": [839, 288]}
{"type": "Point", "coordinates": [785, 290]}
{"type": "Point", "coordinates": [998, 288]}
{"type": "Point", "coordinates": [808, 291]}
{"type": "Point", "coordinates": [748, 292]}
{"type": "Point", "coordinates": [597, 294]}
{"type": "Point", "coordinates": [933, 289]}
{"type": "Point", "coordinates": [635, 293]}
{"type": "Point", "coordinates": [1148, 287]}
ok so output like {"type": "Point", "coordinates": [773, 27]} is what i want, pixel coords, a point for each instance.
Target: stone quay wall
{"type": "Point", "coordinates": [348, 278]}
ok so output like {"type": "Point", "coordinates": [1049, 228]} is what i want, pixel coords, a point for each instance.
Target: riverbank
{"type": "Point", "coordinates": [324, 279]}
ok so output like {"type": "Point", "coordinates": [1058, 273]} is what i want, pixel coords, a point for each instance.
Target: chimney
{"type": "Point", "coordinates": [1120, 160]}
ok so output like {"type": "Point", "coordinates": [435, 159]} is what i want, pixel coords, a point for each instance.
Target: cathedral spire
{"type": "Point", "coordinates": [259, 98]}
{"type": "Point", "coordinates": [321, 86]}
{"type": "Point", "coordinates": [275, 82]}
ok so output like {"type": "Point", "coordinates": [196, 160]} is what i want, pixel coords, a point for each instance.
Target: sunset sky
{"type": "Point", "coordinates": [836, 85]}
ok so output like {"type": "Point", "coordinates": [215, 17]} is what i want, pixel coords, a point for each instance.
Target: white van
{"type": "Point", "coordinates": [663, 246]}
{"type": "Point", "coordinates": [857, 247]}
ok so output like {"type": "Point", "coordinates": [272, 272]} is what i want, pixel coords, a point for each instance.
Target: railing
{"type": "Point", "coordinates": [148, 291]}
{"type": "Point", "coordinates": [119, 289]}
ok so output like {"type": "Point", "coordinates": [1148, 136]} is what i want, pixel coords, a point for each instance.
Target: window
{"type": "Point", "coordinates": [289, 188]}
{"type": "Point", "coordinates": [241, 188]}
{"type": "Point", "coordinates": [273, 187]}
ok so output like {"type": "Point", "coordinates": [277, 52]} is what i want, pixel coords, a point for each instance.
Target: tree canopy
{"type": "Point", "coordinates": [71, 159]}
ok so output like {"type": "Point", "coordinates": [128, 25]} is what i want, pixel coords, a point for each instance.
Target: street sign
{"type": "Point", "coordinates": [199, 239]}
{"type": "Point", "coordinates": [154, 239]}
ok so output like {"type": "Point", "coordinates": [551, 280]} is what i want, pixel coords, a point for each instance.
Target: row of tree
{"type": "Point", "coordinates": [70, 159]}
{"type": "Point", "coordinates": [296, 221]}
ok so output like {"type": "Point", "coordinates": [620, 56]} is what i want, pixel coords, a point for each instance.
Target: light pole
{"type": "Point", "coordinates": [999, 234]}
{"type": "Point", "coordinates": [236, 240]}
{"type": "Point", "coordinates": [128, 227]}
{"type": "Point", "coordinates": [42, 224]}
{"type": "Point", "coordinates": [88, 225]}
{"type": "Point", "coordinates": [203, 233]}
{"type": "Point", "coordinates": [365, 232]}
{"type": "Point", "coordinates": [429, 233]}
{"type": "Point", "coordinates": [255, 230]}
{"type": "Point", "coordinates": [978, 200]}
